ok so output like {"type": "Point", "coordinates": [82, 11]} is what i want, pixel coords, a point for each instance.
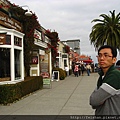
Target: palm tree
{"type": "Point", "coordinates": [106, 31]}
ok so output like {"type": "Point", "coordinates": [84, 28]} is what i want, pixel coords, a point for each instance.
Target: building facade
{"type": "Point", "coordinates": [12, 67]}
{"type": "Point", "coordinates": [11, 47]}
{"type": "Point", "coordinates": [74, 44]}
{"type": "Point", "coordinates": [41, 60]}
{"type": "Point", "coordinates": [63, 57]}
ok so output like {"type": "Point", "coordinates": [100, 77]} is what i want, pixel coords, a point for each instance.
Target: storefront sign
{"type": "Point", "coordinates": [41, 52]}
{"type": "Point", "coordinates": [35, 60]}
{"type": "Point", "coordinates": [85, 58]}
{"type": "Point", "coordinates": [43, 36]}
{"type": "Point", "coordinates": [64, 56]}
{"type": "Point", "coordinates": [37, 34]}
{"type": "Point", "coordinates": [8, 22]}
{"type": "Point", "coordinates": [44, 64]}
{"type": "Point", "coordinates": [46, 81]}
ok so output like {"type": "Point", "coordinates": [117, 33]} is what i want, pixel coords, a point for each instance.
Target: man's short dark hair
{"type": "Point", "coordinates": [113, 49]}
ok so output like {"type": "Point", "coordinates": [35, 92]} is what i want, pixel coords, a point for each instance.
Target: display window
{"type": "Point", "coordinates": [5, 63]}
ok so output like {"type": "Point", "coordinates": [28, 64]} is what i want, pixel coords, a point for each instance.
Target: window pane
{"type": "Point", "coordinates": [4, 64]}
{"type": "Point", "coordinates": [8, 39]}
{"type": "Point", "coordinates": [17, 65]}
{"type": "Point", "coordinates": [17, 41]}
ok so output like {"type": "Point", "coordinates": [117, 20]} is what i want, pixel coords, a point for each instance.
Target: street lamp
{"type": "Point", "coordinates": [28, 13]}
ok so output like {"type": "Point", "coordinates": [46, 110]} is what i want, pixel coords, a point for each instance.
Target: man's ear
{"type": "Point", "coordinates": [114, 60]}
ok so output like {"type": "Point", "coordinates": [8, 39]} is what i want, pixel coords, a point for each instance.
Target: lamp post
{"type": "Point", "coordinates": [27, 13]}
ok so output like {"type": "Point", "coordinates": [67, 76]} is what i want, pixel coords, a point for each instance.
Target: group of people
{"type": "Point", "coordinates": [79, 68]}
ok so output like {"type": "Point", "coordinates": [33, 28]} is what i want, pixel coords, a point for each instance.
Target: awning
{"type": "Point", "coordinates": [87, 61]}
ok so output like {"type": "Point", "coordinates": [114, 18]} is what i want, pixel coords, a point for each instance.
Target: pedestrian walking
{"type": "Point", "coordinates": [67, 70]}
{"type": "Point", "coordinates": [76, 70]}
{"type": "Point", "coordinates": [82, 68]}
{"type": "Point", "coordinates": [79, 69]}
{"type": "Point", "coordinates": [88, 69]}
{"type": "Point", "coordinates": [105, 99]}
{"type": "Point", "coordinates": [73, 67]}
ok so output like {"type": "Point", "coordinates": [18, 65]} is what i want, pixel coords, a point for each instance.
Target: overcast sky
{"type": "Point", "coordinates": [71, 18]}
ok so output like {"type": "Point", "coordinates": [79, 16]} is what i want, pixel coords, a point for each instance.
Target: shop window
{"type": "Point", "coordinates": [65, 63]}
{"type": "Point", "coordinates": [5, 64]}
{"type": "Point", "coordinates": [5, 39]}
{"type": "Point", "coordinates": [17, 41]}
{"type": "Point", "coordinates": [17, 64]}
{"type": "Point", "coordinates": [8, 39]}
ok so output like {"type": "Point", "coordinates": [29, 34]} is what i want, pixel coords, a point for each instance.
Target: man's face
{"type": "Point", "coordinates": [105, 58]}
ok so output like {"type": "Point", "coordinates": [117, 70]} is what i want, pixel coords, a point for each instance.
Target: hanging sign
{"type": "Point", "coordinates": [35, 60]}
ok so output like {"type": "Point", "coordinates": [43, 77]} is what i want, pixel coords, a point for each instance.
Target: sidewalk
{"type": "Point", "coordinates": [66, 97]}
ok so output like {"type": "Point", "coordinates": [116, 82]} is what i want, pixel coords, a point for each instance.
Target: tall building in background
{"type": "Point", "coordinates": [74, 44]}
